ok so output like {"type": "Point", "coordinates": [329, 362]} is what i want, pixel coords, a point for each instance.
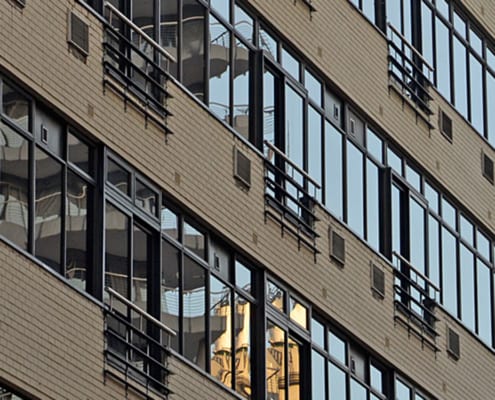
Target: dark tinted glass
{"type": "Point", "coordinates": [141, 267]}
{"type": "Point", "coordinates": [118, 177]}
{"type": "Point", "coordinates": [146, 198]}
{"type": "Point", "coordinates": [15, 106]}
{"type": "Point", "coordinates": [170, 290]}
{"type": "Point", "coordinates": [79, 153]}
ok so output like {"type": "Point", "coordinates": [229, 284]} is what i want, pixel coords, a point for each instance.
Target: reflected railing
{"type": "Point", "coordinates": [132, 347]}
{"type": "Point", "coordinates": [291, 192]}
{"type": "Point", "coordinates": [416, 297]}
{"type": "Point", "coordinates": [136, 66]}
{"type": "Point", "coordinates": [410, 70]}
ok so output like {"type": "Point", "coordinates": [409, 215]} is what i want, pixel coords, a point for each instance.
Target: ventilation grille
{"type": "Point", "coordinates": [242, 167]}
{"type": "Point", "coordinates": [487, 168]}
{"type": "Point", "coordinates": [377, 280]}
{"type": "Point", "coordinates": [337, 246]}
{"type": "Point", "coordinates": [78, 33]}
{"type": "Point", "coordinates": [21, 3]}
{"type": "Point", "coordinates": [453, 344]}
{"type": "Point", "coordinates": [445, 125]}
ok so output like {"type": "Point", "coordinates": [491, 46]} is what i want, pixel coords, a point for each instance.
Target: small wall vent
{"type": "Point", "coordinates": [453, 344]}
{"type": "Point", "coordinates": [487, 167]}
{"type": "Point", "coordinates": [78, 33]}
{"type": "Point", "coordinates": [377, 280]}
{"type": "Point", "coordinates": [445, 124]}
{"type": "Point", "coordinates": [242, 167]}
{"type": "Point", "coordinates": [337, 246]}
{"type": "Point", "coordinates": [20, 3]}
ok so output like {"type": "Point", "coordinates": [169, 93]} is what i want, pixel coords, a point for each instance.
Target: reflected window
{"type": "Point", "coordinates": [170, 289]}
{"type": "Point", "coordinates": [275, 296]}
{"type": "Point", "coordinates": [118, 177]}
{"type": "Point", "coordinates": [241, 89]}
{"type": "Point", "coordinates": [14, 186]}
{"type": "Point", "coordinates": [243, 276]}
{"type": "Point", "coordinates": [298, 313]}
{"type": "Point", "coordinates": [79, 153]}
{"type": "Point", "coordinates": [169, 222]}
{"type": "Point", "coordinates": [15, 106]}
{"type": "Point", "coordinates": [146, 198]}
{"type": "Point", "coordinates": [194, 240]}
{"type": "Point", "coordinates": [268, 43]}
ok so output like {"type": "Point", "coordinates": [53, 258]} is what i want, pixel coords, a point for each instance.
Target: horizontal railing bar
{"type": "Point", "coordinates": [412, 315]}
{"type": "Point", "coordinates": [277, 170]}
{"type": "Point", "coordinates": [402, 292]}
{"type": "Point", "coordinates": [140, 31]}
{"type": "Point", "coordinates": [425, 278]}
{"type": "Point", "coordinates": [403, 277]}
{"type": "Point", "coordinates": [129, 304]}
{"type": "Point", "coordinates": [429, 341]}
{"type": "Point", "coordinates": [132, 386]}
{"type": "Point", "coordinates": [400, 54]}
{"type": "Point", "coordinates": [424, 106]}
{"type": "Point", "coordinates": [406, 42]}
{"type": "Point", "coordinates": [297, 168]}
{"type": "Point", "coordinates": [410, 75]}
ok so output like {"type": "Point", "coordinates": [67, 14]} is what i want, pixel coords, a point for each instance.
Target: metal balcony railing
{"type": "Point", "coordinates": [291, 192]}
{"type": "Point", "coordinates": [134, 346]}
{"type": "Point", "coordinates": [136, 67]}
{"type": "Point", "coordinates": [409, 70]}
{"type": "Point", "coordinates": [415, 297]}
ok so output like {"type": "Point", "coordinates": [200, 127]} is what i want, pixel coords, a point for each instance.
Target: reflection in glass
{"type": "Point", "coordinates": [396, 219]}
{"type": "Point", "coordinates": [242, 276]}
{"type": "Point", "coordinates": [221, 331]}
{"type": "Point", "coordinates": [417, 235]}
{"type": "Point", "coordinates": [117, 265]}
{"type": "Point", "coordinates": [376, 378]}
{"type": "Point", "coordinates": [334, 196]}
{"type": "Point", "coordinates": [373, 204]}
{"type": "Point", "coordinates": [118, 177]}
{"type": "Point", "coordinates": [490, 99]}
{"type": "Point", "coordinates": [76, 226]}
{"type": "Point", "coordinates": [459, 25]}
{"type": "Point", "coordinates": [402, 392]}
{"type": "Point", "coordinates": [434, 251]}
{"type": "Point", "coordinates": [268, 43]}
{"type": "Point", "coordinates": [449, 271]}
{"type": "Point", "coordinates": [275, 296]}
{"type": "Point", "coordinates": [460, 75]}
{"type": "Point", "coordinates": [467, 287]}
{"type": "Point", "coordinates": [432, 197]}
{"type": "Point", "coordinates": [294, 361]}
{"type": "Point", "coordinates": [394, 161]}
{"type": "Point", "coordinates": [290, 64]}
{"type": "Point", "coordinates": [314, 146]}
{"type": "Point", "coordinates": [467, 230]}
{"type": "Point", "coordinates": [337, 383]}
{"type": "Point", "coordinates": [222, 7]}
{"type": "Point", "coordinates": [369, 9]}
{"type": "Point", "coordinates": [193, 48]}
{"type": "Point", "coordinates": [268, 108]}
{"type": "Point", "coordinates": [193, 299]}
{"type": "Point", "coordinates": [275, 362]}
{"type": "Point", "coordinates": [317, 376]}
{"type": "Point", "coordinates": [313, 86]}
{"type": "Point", "coordinates": [484, 302]}
{"type": "Point", "coordinates": [449, 213]}
{"type": "Point", "coordinates": [219, 89]}
{"type": "Point", "coordinates": [169, 303]}
{"type": "Point", "coordinates": [374, 145]}
{"type": "Point", "coordinates": [48, 210]}
{"type": "Point", "coordinates": [194, 240]}
{"type": "Point", "coordinates": [358, 391]}
{"type": "Point", "coordinates": [413, 178]}
{"type": "Point", "coordinates": [337, 348]}
{"type": "Point", "coordinates": [146, 198]}
{"type": "Point", "coordinates": [483, 245]}
{"type": "Point", "coordinates": [294, 125]}
{"type": "Point", "coordinates": [79, 153]}
{"type": "Point", "coordinates": [355, 189]}
{"type": "Point", "coordinates": [298, 313]}
{"type": "Point", "coordinates": [169, 222]}
{"type": "Point", "coordinates": [140, 267]}
{"type": "Point", "coordinates": [475, 41]}
{"type": "Point", "coordinates": [169, 30]}
{"type": "Point", "coordinates": [442, 58]}
{"type": "Point", "coordinates": [317, 333]}
{"type": "Point", "coordinates": [243, 23]}
{"type": "Point", "coordinates": [14, 186]}
{"type": "Point", "coordinates": [476, 92]}
{"type": "Point", "coordinates": [243, 347]}
{"type": "Point", "coordinates": [241, 89]}
{"type": "Point", "coordinates": [15, 106]}
{"type": "Point", "coordinates": [427, 36]}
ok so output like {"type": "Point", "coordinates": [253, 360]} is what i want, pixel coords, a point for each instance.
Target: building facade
{"type": "Point", "coordinates": [247, 199]}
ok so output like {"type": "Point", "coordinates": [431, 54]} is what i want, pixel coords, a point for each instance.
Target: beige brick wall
{"type": "Point", "coordinates": [200, 153]}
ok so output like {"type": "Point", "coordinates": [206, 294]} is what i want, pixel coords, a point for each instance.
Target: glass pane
{"type": "Point", "coordinates": [396, 220]}
{"type": "Point", "coordinates": [476, 42]}
{"type": "Point", "coordinates": [427, 36]}
{"type": "Point", "coordinates": [290, 64]}
{"type": "Point", "coordinates": [298, 313]}
{"type": "Point", "coordinates": [220, 331]}
{"type": "Point", "coordinates": [143, 16]}
{"type": "Point", "coordinates": [243, 347]}
{"type": "Point", "coordinates": [242, 276]}
{"type": "Point", "coordinates": [317, 376]}
{"type": "Point", "coordinates": [275, 362]}
{"type": "Point", "coordinates": [294, 126]}
{"type": "Point", "coordinates": [337, 383]}
{"type": "Point", "coordinates": [194, 240]}
{"type": "Point", "coordinates": [467, 287]}
{"type": "Point", "coordinates": [374, 145]}
{"type": "Point", "coordinates": [193, 300]}
{"type": "Point", "coordinates": [193, 47]}
{"type": "Point", "coordinates": [146, 198]}
{"type": "Point", "coordinates": [294, 360]}
{"type": "Point", "coordinates": [48, 210]}
{"type": "Point", "coordinates": [15, 106]}
{"type": "Point", "coordinates": [355, 189]}
{"type": "Point", "coordinates": [373, 204]}
{"type": "Point", "coordinates": [170, 223]}
{"type": "Point", "coordinates": [434, 251]}
{"type": "Point", "coordinates": [490, 106]}
{"type": "Point", "coordinates": [334, 197]}
{"type": "Point", "coordinates": [140, 267]}
{"type": "Point", "coordinates": [268, 108]}
{"type": "Point", "coordinates": [118, 177]}
{"type": "Point", "coordinates": [222, 7]}
{"type": "Point", "coordinates": [432, 197]}
{"type": "Point", "coordinates": [443, 7]}
{"type": "Point", "coordinates": [394, 161]}
{"type": "Point", "coordinates": [275, 296]}
{"type": "Point", "coordinates": [317, 333]}
{"type": "Point", "coordinates": [449, 271]}
{"type": "Point", "coordinates": [219, 259]}
{"type": "Point", "coordinates": [483, 245]}
{"type": "Point", "coordinates": [467, 230]}
{"type": "Point", "coordinates": [358, 391]}
{"type": "Point", "coordinates": [376, 378]}
{"type": "Point", "coordinates": [369, 9]}
{"type": "Point", "coordinates": [241, 89]}
{"type": "Point", "coordinates": [170, 290]}
{"type": "Point", "coordinates": [313, 86]}
{"type": "Point", "coordinates": [14, 186]}
{"type": "Point", "coordinates": [413, 178]}
{"type": "Point", "coordinates": [79, 153]}
{"type": "Point", "coordinates": [243, 23]}
{"type": "Point", "coordinates": [337, 348]}
{"type": "Point", "coordinates": [169, 30]}
{"type": "Point", "coordinates": [219, 69]}
{"type": "Point", "coordinates": [449, 213]}
{"type": "Point", "coordinates": [459, 25]}
{"type": "Point", "coordinates": [442, 53]}
{"type": "Point", "coordinates": [314, 146]}
{"type": "Point", "coordinates": [402, 392]}
{"type": "Point", "coordinates": [476, 90]}
{"type": "Point", "coordinates": [76, 226]}
{"type": "Point", "coordinates": [417, 235]}
{"type": "Point", "coordinates": [268, 43]}
{"type": "Point", "coordinates": [484, 303]}
{"type": "Point", "coordinates": [117, 263]}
